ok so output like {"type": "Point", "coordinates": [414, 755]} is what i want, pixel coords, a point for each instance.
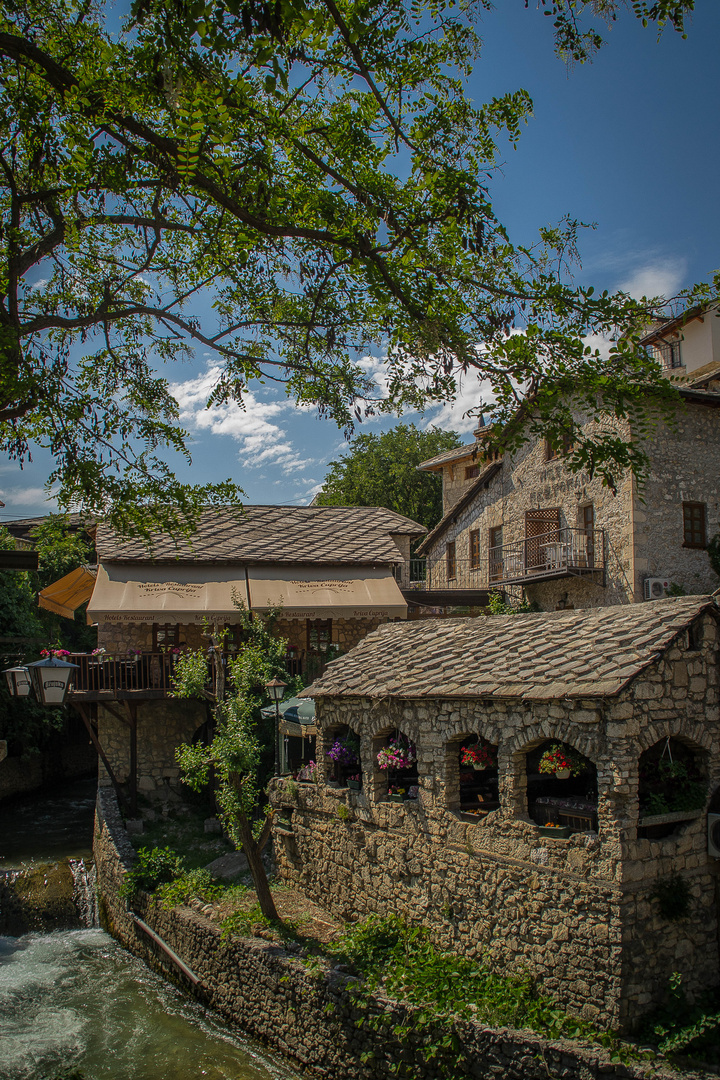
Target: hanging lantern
{"type": "Point", "coordinates": [51, 680]}
{"type": "Point", "coordinates": [18, 680]}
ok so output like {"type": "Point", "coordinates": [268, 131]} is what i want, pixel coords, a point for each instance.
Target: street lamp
{"type": "Point", "coordinates": [18, 680]}
{"type": "Point", "coordinates": [51, 680]}
{"type": "Point", "coordinates": [276, 688]}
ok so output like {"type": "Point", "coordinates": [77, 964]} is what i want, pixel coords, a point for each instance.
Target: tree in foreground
{"type": "Point", "coordinates": [382, 470]}
{"type": "Point", "coordinates": [235, 762]}
{"type": "Point", "coordinates": [311, 174]}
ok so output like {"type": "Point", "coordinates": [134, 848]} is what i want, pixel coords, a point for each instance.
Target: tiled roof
{"type": "Point", "coordinates": [467, 497]}
{"type": "Point", "coordinates": [447, 456]}
{"type": "Point", "coordinates": [537, 656]}
{"type": "Point", "coordinates": [274, 534]}
{"type": "Point", "coordinates": [701, 376]}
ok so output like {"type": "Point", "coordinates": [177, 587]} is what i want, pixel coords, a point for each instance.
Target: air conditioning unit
{"type": "Point", "coordinates": [714, 836]}
{"type": "Point", "coordinates": [655, 588]}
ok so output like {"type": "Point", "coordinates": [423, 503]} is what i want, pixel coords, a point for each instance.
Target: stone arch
{"type": "Point", "coordinates": [568, 798]}
{"type": "Point", "coordinates": [388, 735]}
{"type": "Point", "coordinates": [673, 779]}
{"type": "Point", "coordinates": [466, 789]}
{"type": "Point", "coordinates": [341, 750]}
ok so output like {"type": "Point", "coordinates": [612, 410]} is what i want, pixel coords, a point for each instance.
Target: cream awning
{"type": "Point", "coordinates": [68, 592]}
{"type": "Point", "coordinates": [321, 592]}
{"type": "Point", "coordinates": [180, 594]}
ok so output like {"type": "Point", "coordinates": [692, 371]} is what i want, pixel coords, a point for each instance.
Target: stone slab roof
{"type": "Point", "coordinates": [447, 456]}
{"type": "Point", "coordinates": [330, 535]}
{"type": "Point", "coordinates": [588, 653]}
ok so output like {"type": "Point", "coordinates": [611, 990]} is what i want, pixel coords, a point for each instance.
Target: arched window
{"type": "Point", "coordinates": [672, 787]}
{"type": "Point", "coordinates": [342, 757]}
{"type": "Point", "coordinates": [472, 776]}
{"type": "Point", "coordinates": [396, 760]}
{"type": "Point", "coordinates": [561, 789]}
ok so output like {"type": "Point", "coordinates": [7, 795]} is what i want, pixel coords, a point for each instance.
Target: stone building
{"type": "Point", "coordinates": [524, 521]}
{"type": "Point", "coordinates": [335, 572]}
{"type": "Point", "coordinates": [688, 344]}
{"type": "Point", "coordinates": [599, 883]}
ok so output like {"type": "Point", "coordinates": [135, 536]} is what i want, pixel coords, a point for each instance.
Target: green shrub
{"type": "Point", "coordinates": [192, 885]}
{"type": "Point", "coordinates": [680, 1027]}
{"type": "Point", "coordinates": [156, 866]}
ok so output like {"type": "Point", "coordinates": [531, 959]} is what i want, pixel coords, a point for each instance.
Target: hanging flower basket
{"type": "Point", "coordinates": [344, 751]}
{"type": "Point", "coordinates": [562, 762]}
{"type": "Point", "coordinates": [480, 756]}
{"type": "Point", "coordinates": [398, 754]}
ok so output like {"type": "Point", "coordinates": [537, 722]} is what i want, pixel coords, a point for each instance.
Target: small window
{"type": "Point", "coordinates": [471, 471]}
{"type": "Point", "coordinates": [554, 451]}
{"type": "Point", "coordinates": [694, 525]}
{"type": "Point", "coordinates": [474, 549]}
{"type": "Point", "coordinates": [165, 636]}
{"type": "Point", "coordinates": [319, 635]}
{"type": "Point", "coordinates": [450, 559]}
{"type": "Point", "coordinates": [668, 354]}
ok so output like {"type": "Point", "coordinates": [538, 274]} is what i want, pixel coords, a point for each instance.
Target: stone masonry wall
{"type": "Point", "coordinates": [161, 727]}
{"type": "Point", "coordinates": [685, 467]}
{"type": "Point", "coordinates": [528, 481]}
{"type": "Point", "coordinates": [579, 913]}
{"type": "Point", "coordinates": [311, 1017]}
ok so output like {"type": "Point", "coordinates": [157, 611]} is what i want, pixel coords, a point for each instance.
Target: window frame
{"type": "Point", "coordinates": [688, 508]}
{"type": "Point", "coordinates": [450, 560]}
{"type": "Point", "coordinates": [472, 471]}
{"type": "Point", "coordinates": [474, 549]}
{"type": "Point", "coordinates": [167, 644]}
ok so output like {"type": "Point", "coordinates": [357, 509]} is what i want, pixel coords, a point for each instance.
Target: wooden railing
{"type": "Point", "coordinates": [112, 673]}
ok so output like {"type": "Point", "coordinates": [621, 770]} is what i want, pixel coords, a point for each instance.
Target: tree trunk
{"type": "Point", "coordinates": [257, 869]}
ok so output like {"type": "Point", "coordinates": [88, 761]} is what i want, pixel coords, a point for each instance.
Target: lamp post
{"type": "Point", "coordinates": [276, 688]}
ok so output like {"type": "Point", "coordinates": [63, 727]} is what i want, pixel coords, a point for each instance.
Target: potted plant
{"type": "Point", "coordinates": [562, 762]}
{"type": "Point", "coordinates": [480, 756]}
{"type": "Point", "coordinates": [355, 782]}
{"type": "Point", "coordinates": [551, 828]}
{"type": "Point", "coordinates": [397, 794]}
{"type": "Point", "coordinates": [398, 754]}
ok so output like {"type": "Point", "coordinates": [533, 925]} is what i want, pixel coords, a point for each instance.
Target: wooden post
{"type": "Point", "coordinates": [101, 753]}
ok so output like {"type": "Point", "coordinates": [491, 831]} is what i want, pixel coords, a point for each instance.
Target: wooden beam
{"type": "Point", "coordinates": [101, 753]}
{"type": "Point", "coordinates": [131, 709]}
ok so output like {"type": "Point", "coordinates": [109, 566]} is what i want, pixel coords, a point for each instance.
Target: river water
{"type": "Point", "coordinates": [76, 1000]}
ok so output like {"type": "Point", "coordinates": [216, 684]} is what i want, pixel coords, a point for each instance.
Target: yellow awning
{"type": "Point", "coordinates": [321, 592]}
{"type": "Point", "coordinates": [66, 594]}
{"type": "Point", "coordinates": [180, 594]}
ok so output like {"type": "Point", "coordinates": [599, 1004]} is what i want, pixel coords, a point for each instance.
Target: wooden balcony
{"type": "Point", "coordinates": [124, 676]}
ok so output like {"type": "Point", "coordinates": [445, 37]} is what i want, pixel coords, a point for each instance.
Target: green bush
{"type": "Point", "coordinates": [156, 866]}
{"type": "Point", "coordinates": [191, 885]}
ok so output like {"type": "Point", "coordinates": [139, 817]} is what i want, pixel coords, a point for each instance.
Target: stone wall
{"type": "Point", "coordinates": [311, 1017]}
{"type": "Point", "coordinates": [527, 481]}
{"type": "Point", "coordinates": [643, 528]}
{"type": "Point", "coordinates": [161, 727]}
{"type": "Point", "coordinates": [685, 467]}
{"type": "Point", "coordinates": [454, 482]}
{"type": "Point", "coordinates": [580, 913]}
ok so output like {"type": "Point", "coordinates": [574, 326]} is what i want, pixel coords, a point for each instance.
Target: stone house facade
{"type": "Point", "coordinates": [571, 879]}
{"type": "Point", "coordinates": [526, 522]}
{"type": "Point", "coordinates": [335, 572]}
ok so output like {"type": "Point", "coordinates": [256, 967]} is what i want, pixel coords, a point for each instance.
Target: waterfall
{"type": "Point", "coordinates": [85, 892]}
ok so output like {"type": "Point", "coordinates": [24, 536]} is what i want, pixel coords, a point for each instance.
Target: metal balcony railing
{"type": "Point", "coordinates": [110, 674]}
{"type": "Point", "coordinates": [560, 552]}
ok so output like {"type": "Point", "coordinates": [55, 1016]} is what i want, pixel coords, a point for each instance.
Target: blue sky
{"type": "Point", "coordinates": [630, 142]}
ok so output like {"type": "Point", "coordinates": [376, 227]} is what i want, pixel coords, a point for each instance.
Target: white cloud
{"type": "Point", "coordinates": [262, 441]}
{"type": "Point", "coordinates": [659, 278]}
{"type": "Point", "coordinates": [27, 496]}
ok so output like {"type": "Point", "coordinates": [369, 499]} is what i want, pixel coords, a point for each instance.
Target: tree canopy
{"type": "Point", "coordinates": [311, 173]}
{"type": "Point", "coordinates": [382, 470]}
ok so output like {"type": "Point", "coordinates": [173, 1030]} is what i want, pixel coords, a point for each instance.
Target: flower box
{"type": "Point", "coordinates": [283, 825]}
{"type": "Point", "coordinates": [397, 798]}
{"type": "Point", "coordinates": [559, 832]}
{"type": "Point", "coordinates": [355, 785]}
